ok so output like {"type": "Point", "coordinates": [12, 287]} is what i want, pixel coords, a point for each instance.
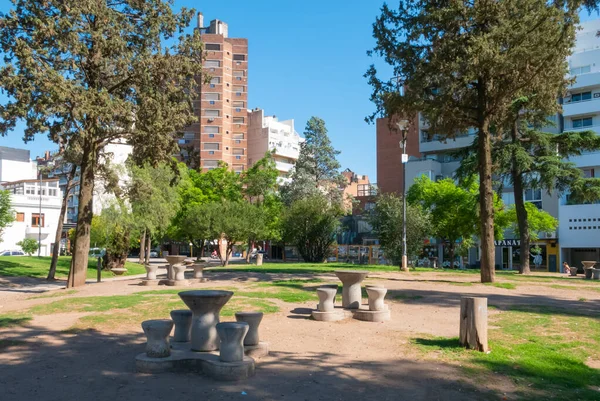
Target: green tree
{"type": "Point", "coordinates": [537, 221]}
{"type": "Point", "coordinates": [232, 222]}
{"type": "Point", "coordinates": [386, 220]}
{"type": "Point", "coordinates": [450, 207]}
{"type": "Point", "coordinates": [88, 72]}
{"type": "Point", "coordinates": [7, 215]}
{"type": "Point", "coordinates": [310, 224]}
{"type": "Point", "coordinates": [260, 189]}
{"type": "Point", "coordinates": [528, 158]}
{"type": "Point", "coordinates": [28, 245]}
{"type": "Point", "coordinates": [154, 197]}
{"type": "Point", "coordinates": [464, 63]}
{"type": "Point", "coordinates": [112, 229]}
{"type": "Point", "coordinates": [317, 169]}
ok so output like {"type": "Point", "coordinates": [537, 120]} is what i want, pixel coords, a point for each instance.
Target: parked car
{"type": "Point", "coordinates": [12, 253]}
{"type": "Point", "coordinates": [97, 252]}
{"type": "Point", "coordinates": [153, 254]}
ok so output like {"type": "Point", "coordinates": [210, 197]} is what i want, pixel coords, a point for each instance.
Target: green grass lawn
{"type": "Point", "coordinates": [303, 268]}
{"type": "Point", "coordinates": [32, 266]}
{"type": "Point", "coordinates": [541, 350]}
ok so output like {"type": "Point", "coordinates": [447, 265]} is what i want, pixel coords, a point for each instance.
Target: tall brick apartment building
{"type": "Point", "coordinates": [221, 133]}
{"type": "Point", "coordinates": [389, 154]}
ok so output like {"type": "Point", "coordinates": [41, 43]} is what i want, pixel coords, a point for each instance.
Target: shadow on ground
{"type": "Point", "coordinates": [91, 365]}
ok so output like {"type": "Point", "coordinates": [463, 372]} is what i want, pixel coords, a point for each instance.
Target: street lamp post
{"type": "Point", "coordinates": [191, 249]}
{"type": "Point", "coordinates": [403, 127]}
{"type": "Point", "coordinates": [40, 215]}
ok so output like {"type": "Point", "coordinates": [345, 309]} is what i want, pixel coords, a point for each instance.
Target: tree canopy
{"type": "Point", "coordinates": [6, 212]}
{"type": "Point", "coordinates": [463, 64]}
{"type": "Point", "coordinates": [87, 73]}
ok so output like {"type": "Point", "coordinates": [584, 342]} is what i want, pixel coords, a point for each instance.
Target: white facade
{"type": "Point", "coordinates": [115, 154]}
{"type": "Point", "coordinates": [267, 133]}
{"type": "Point", "coordinates": [579, 225]}
{"type": "Point", "coordinates": [15, 165]}
{"type": "Point", "coordinates": [25, 201]}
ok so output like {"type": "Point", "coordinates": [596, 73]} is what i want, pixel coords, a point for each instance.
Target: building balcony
{"type": "Point", "coordinates": [282, 166]}
{"type": "Point", "coordinates": [441, 145]}
{"type": "Point", "coordinates": [569, 127]}
{"type": "Point", "coordinates": [285, 151]}
{"type": "Point", "coordinates": [591, 106]}
{"type": "Point", "coordinates": [35, 231]}
{"type": "Point", "coordinates": [586, 80]}
{"type": "Point", "coordinates": [579, 226]}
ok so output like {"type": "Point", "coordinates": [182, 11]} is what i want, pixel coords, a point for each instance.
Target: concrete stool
{"type": "Point", "coordinates": [157, 337]}
{"type": "Point", "coordinates": [232, 336]}
{"type": "Point", "coordinates": [151, 271]}
{"type": "Point", "coordinates": [183, 325]}
{"type": "Point", "coordinates": [253, 319]}
{"type": "Point", "coordinates": [376, 297]}
{"type": "Point", "coordinates": [326, 296]}
{"type": "Point", "coordinates": [596, 273]}
{"type": "Point", "coordinates": [198, 271]}
{"type": "Point", "coordinates": [179, 272]}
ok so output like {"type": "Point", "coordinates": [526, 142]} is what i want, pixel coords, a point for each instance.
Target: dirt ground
{"type": "Point", "coordinates": [347, 360]}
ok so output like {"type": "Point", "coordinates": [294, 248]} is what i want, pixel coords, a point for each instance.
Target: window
{"type": "Point", "coordinates": [36, 221]}
{"type": "Point", "coordinates": [238, 135]}
{"type": "Point", "coordinates": [238, 93]}
{"type": "Point", "coordinates": [212, 113]}
{"type": "Point", "coordinates": [581, 70]}
{"type": "Point", "coordinates": [238, 78]}
{"type": "Point", "coordinates": [579, 97]}
{"type": "Point", "coordinates": [588, 173]}
{"type": "Point", "coordinates": [211, 135]}
{"type": "Point", "coordinates": [211, 163]}
{"type": "Point", "coordinates": [369, 206]}
{"type": "Point", "coordinates": [239, 57]}
{"type": "Point", "coordinates": [534, 196]}
{"type": "Point", "coordinates": [582, 122]}
{"type": "Point", "coordinates": [212, 46]}
{"type": "Point", "coordinates": [215, 80]}
{"type": "Point", "coordinates": [212, 63]}
{"type": "Point", "coordinates": [238, 120]}
{"type": "Point", "coordinates": [211, 146]}
{"type": "Point", "coordinates": [211, 96]}
{"type": "Point", "coordinates": [210, 129]}
{"type": "Point", "coordinates": [238, 103]}
{"type": "Point", "coordinates": [212, 85]}
{"type": "Point", "coordinates": [20, 217]}
{"type": "Point", "coordinates": [211, 102]}
{"type": "Point", "coordinates": [237, 141]}
{"type": "Point", "coordinates": [238, 151]}
{"type": "Point", "coordinates": [212, 152]}
{"type": "Point", "coordinates": [238, 109]}
{"type": "Point", "coordinates": [238, 167]}
{"type": "Point", "coordinates": [238, 73]}
{"type": "Point", "coordinates": [51, 192]}
{"type": "Point", "coordinates": [238, 88]}
{"type": "Point", "coordinates": [238, 157]}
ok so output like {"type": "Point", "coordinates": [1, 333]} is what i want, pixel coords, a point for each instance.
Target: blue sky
{"type": "Point", "coordinates": [305, 58]}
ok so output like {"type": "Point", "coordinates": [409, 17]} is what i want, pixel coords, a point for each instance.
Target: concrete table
{"type": "Point", "coordinates": [206, 306]}
{"type": "Point", "coordinates": [351, 294]}
{"type": "Point", "coordinates": [176, 269]}
{"type": "Point", "coordinates": [588, 265]}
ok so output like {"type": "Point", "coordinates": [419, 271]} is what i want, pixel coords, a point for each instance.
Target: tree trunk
{"type": "Point", "coordinates": [451, 252]}
{"type": "Point", "coordinates": [59, 228]}
{"type": "Point", "coordinates": [250, 242]}
{"type": "Point", "coordinates": [474, 323]}
{"type": "Point", "coordinates": [78, 271]}
{"type": "Point", "coordinates": [142, 257]}
{"type": "Point", "coordinates": [486, 205]}
{"type": "Point", "coordinates": [522, 222]}
{"type": "Point", "coordinates": [148, 247]}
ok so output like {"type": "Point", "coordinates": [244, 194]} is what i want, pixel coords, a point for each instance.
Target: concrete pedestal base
{"type": "Point", "coordinates": [257, 351]}
{"type": "Point", "coordinates": [204, 363]}
{"type": "Point", "coordinates": [333, 316]}
{"type": "Point", "coordinates": [177, 283]}
{"type": "Point", "coordinates": [119, 271]}
{"type": "Point", "coordinates": [147, 282]}
{"type": "Point", "coordinates": [371, 315]}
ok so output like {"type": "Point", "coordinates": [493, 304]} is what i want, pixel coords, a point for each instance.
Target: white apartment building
{"type": "Point", "coordinates": [267, 133]}
{"type": "Point", "coordinates": [579, 225]}
{"type": "Point", "coordinates": [16, 164]}
{"type": "Point", "coordinates": [28, 197]}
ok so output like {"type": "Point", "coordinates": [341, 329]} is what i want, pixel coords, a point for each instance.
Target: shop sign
{"type": "Point", "coordinates": [507, 242]}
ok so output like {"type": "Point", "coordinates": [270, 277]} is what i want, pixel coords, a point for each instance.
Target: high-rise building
{"type": "Point", "coordinates": [266, 133]}
{"type": "Point", "coordinates": [579, 224]}
{"type": "Point", "coordinates": [221, 133]}
{"type": "Point", "coordinates": [389, 153]}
